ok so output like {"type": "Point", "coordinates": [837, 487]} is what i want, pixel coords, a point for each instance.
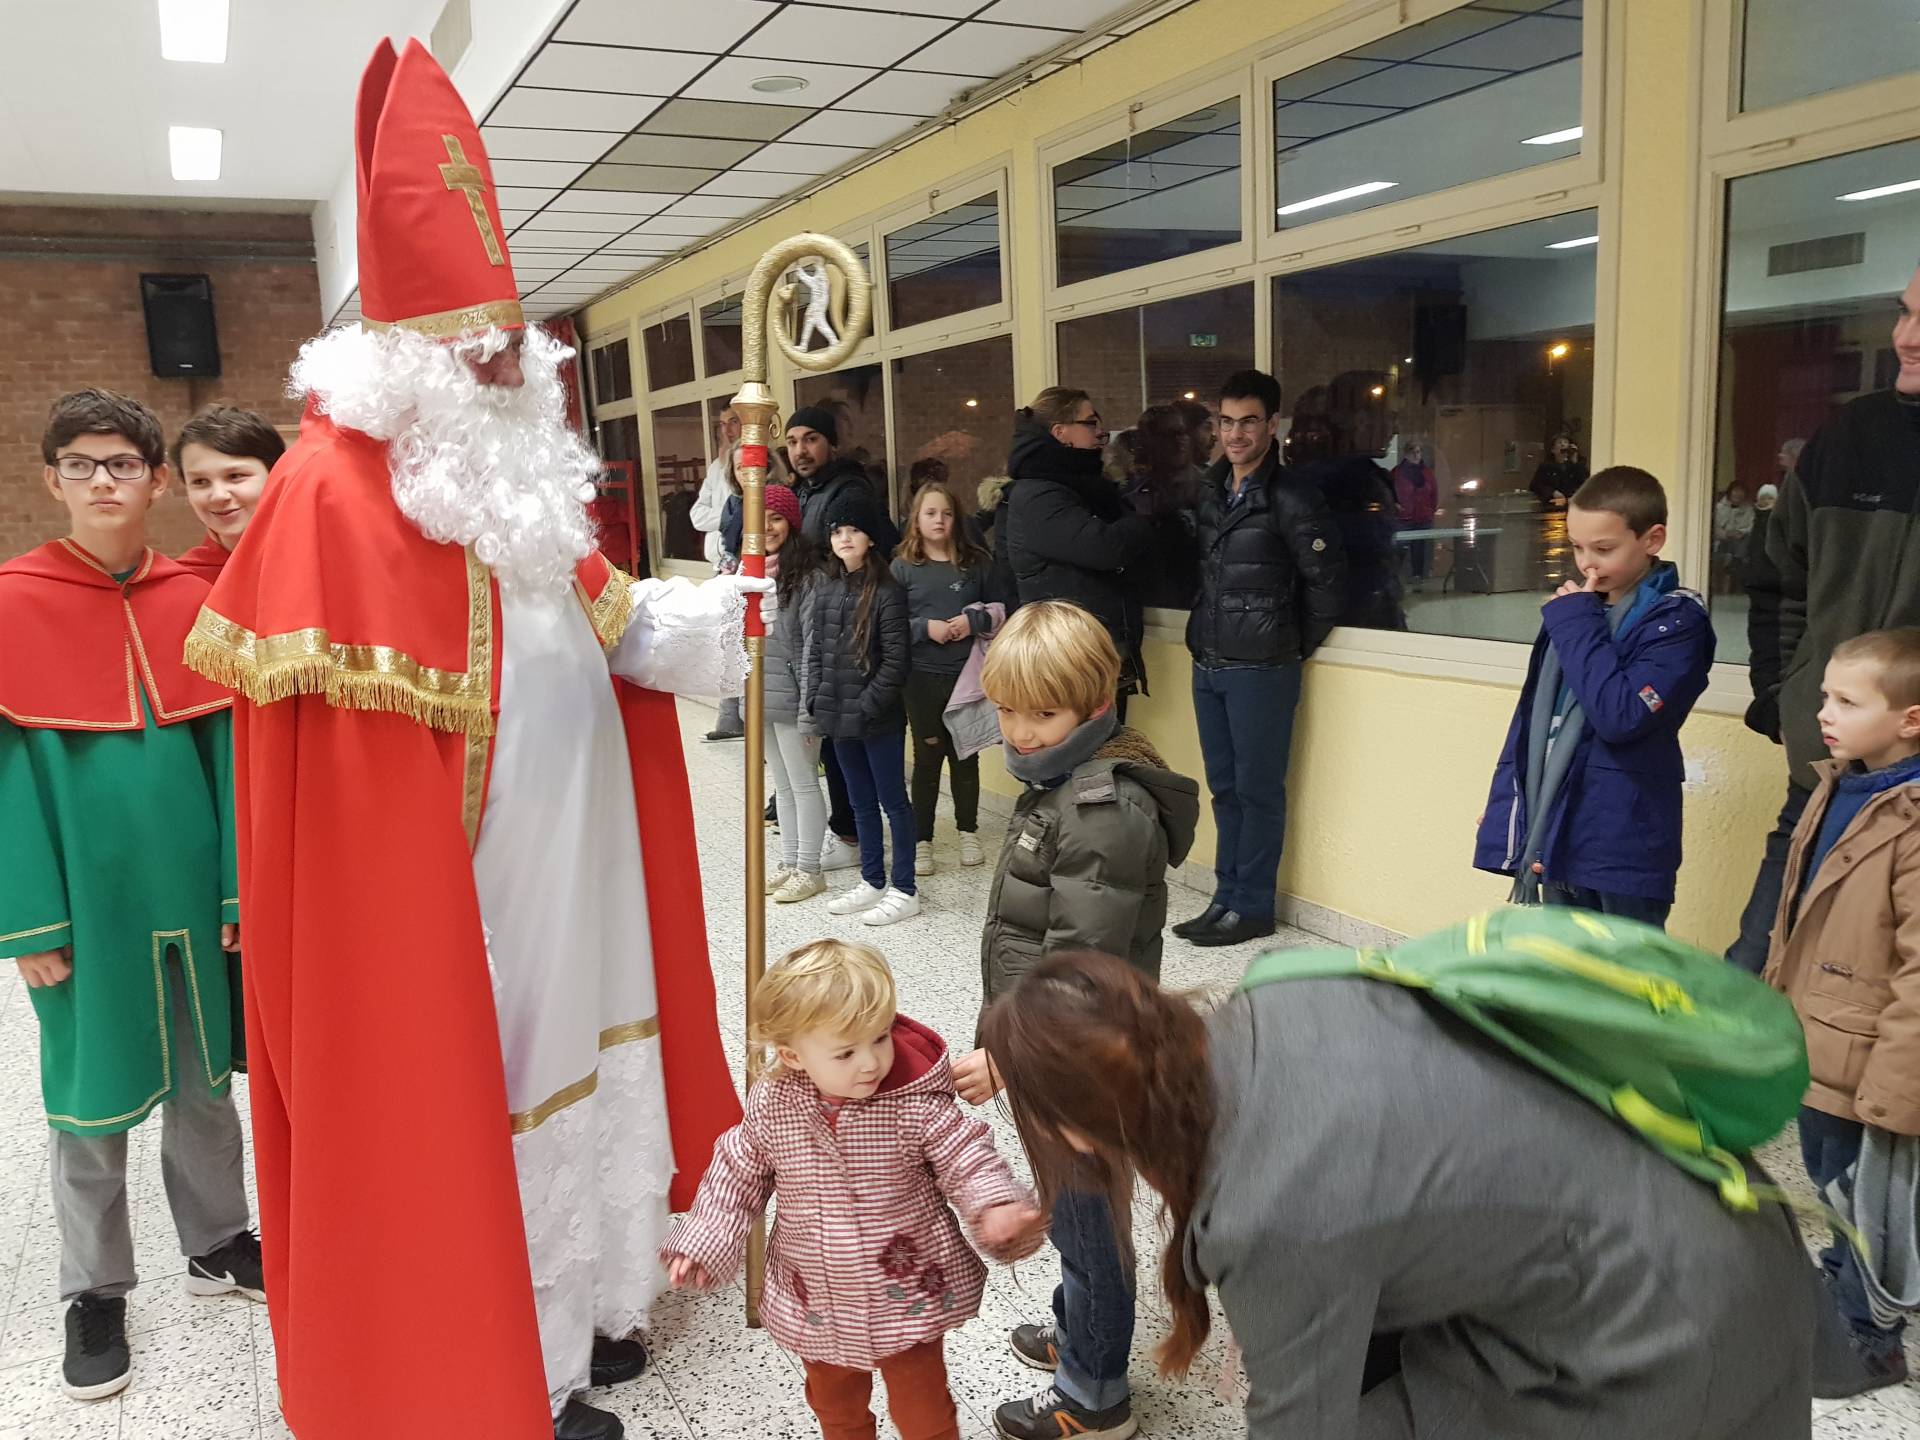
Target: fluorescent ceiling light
{"type": "Point", "coordinates": [1584, 240]}
{"type": "Point", "coordinates": [194, 30]}
{"type": "Point", "coordinates": [1334, 197]}
{"type": "Point", "coordinates": [195, 152]}
{"type": "Point", "coordinates": [1874, 194]}
{"type": "Point", "coordinates": [1556, 137]}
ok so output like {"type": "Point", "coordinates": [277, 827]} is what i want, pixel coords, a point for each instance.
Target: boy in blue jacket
{"type": "Point", "coordinates": [1585, 808]}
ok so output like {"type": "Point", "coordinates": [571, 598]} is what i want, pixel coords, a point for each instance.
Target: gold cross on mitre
{"type": "Point", "coordinates": [459, 175]}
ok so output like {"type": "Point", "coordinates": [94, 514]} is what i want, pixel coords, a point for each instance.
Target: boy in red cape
{"type": "Point", "coordinates": [481, 1026]}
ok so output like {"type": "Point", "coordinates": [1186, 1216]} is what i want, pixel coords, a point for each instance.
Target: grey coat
{"type": "Point", "coordinates": [789, 643]}
{"type": "Point", "coordinates": [1376, 1167]}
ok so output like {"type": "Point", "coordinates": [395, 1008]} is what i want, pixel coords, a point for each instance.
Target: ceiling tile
{"type": "Point", "coordinates": [987, 51]}
{"type": "Point", "coordinates": [535, 172]}
{"type": "Point", "coordinates": [951, 9]}
{"type": "Point", "coordinates": [601, 67]}
{"type": "Point", "coordinates": [845, 37]}
{"type": "Point", "coordinates": [785, 158]}
{"type": "Point", "coordinates": [725, 207]}
{"type": "Point", "coordinates": [522, 197]}
{"type": "Point", "coordinates": [552, 239]}
{"type": "Point", "coordinates": [505, 143]}
{"type": "Point", "coordinates": [557, 219]}
{"type": "Point", "coordinates": [691, 150]}
{"type": "Point", "coordinates": [711, 25]}
{"type": "Point", "coordinates": [852, 127]}
{"type": "Point", "coordinates": [733, 77]}
{"type": "Point", "coordinates": [511, 218]}
{"type": "Point", "coordinates": [572, 109]}
{"type": "Point", "coordinates": [1062, 14]}
{"type": "Point", "coordinates": [908, 92]}
{"type": "Point", "coordinates": [764, 184]}
{"type": "Point", "coordinates": [669, 226]}
{"type": "Point", "coordinates": [602, 274]}
{"type": "Point", "coordinates": [645, 245]}
{"type": "Point", "coordinates": [725, 120]}
{"type": "Point", "coordinates": [663, 179]}
{"type": "Point", "coordinates": [631, 203]}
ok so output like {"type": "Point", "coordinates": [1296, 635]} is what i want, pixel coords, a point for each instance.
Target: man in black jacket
{"type": "Point", "coordinates": [1272, 585]}
{"type": "Point", "coordinates": [1843, 558]}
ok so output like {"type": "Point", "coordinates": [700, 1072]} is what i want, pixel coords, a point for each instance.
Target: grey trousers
{"type": "Point", "coordinates": [201, 1162]}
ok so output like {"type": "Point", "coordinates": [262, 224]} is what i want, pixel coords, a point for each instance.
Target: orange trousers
{"type": "Point", "coordinates": [917, 1397]}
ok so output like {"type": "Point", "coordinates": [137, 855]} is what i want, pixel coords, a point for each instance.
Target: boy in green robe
{"type": "Point", "coordinates": [117, 878]}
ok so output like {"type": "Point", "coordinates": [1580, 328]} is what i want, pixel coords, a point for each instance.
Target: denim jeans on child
{"type": "Point", "coordinates": [875, 770]}
{"type": "Point", "coordinates": [1093, 1306]}
{"type": "Point", "coordinates": [1828, 1147]}
{"type": "Point", "coordinates": [1627, 907]}
{"type": "Point", "coordinates": [1245, 717]}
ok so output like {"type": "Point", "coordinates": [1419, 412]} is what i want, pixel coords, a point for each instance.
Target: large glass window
{"type": "Point", "coordinates": [953, 416]}
{"type": "Point", "coordinates": [612, 368]}
{"type": "Point", "coordinates": [1483, 90]}
{"type": "Point", "coordinates": [617, 508]}
{"type": "Point", "coordinates": [856, 397]}
{"type": "Point", "coordinates": [946, 264]}
{"type": "Point", "coordinates": [1163, 193]}
{"type": "Point", "coordinates": [1156, 354]}
{"type": "Point", "coordinates": [1791, 49]}
{"type": "Point", "coordinates": [669, 352]}
{"type": "Point", "coordinates": [1815, 256]}
{"type": "Point", "coordinates": [720, 342]}
{"type": "Point", "coordinates": [1441, 399]}
{"type": "Point", "coordinates": [680, 468]}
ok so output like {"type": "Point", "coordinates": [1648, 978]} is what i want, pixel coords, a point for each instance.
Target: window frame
{"type": "Point", "coordinates": [1786, 125]}
{"type": "Point", "coordinates": [963, 189]}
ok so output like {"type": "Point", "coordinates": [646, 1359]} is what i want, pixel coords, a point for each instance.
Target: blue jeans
{"type": "Point", "coordinates": [1245, 716]}
{"type": "Point", "coordinates": [1627, 907]}
{"type": "Point", "coordinates": [1093, 1305]}
{"type": "Point", "coordinates": [875, 770]}
{"type": "Point", "coordinates": [1828, 1147]}
{"type": "Point", "coordinates": [1749, 952]}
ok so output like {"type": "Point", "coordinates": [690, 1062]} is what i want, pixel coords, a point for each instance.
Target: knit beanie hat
{"type": "Point", "coordinates": [814, 417]}
{"type": "Point", "coordinates": [782, 501]}
{"type": "Point", "coordinates": [856, 507]}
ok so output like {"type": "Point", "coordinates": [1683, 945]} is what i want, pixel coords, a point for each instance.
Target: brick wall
{"type": "Point", "coordinates": [70, 316]}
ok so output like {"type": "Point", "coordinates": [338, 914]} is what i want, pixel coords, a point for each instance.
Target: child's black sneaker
{"type": "Point", "coordinates": [1037, 1345]}
{"type": "Point", "coordinates": [1051, 1415]}
{"type": "Point", "coordinates": [581, 1421]}
{"type": "Point", "coordinates": [233, 1269]}
{"type": "Point", "coordinates": [98, 1361]}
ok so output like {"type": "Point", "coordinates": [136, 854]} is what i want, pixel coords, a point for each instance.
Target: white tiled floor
{"type": "Point", "coordinates": [203, 1369]}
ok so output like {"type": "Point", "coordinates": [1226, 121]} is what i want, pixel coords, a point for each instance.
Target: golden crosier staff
{"type": "Point", "coordinates": [767, 310]}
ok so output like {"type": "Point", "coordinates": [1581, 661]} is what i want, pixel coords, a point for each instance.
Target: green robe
{"type": "Point", "coordinates": [120, 844]}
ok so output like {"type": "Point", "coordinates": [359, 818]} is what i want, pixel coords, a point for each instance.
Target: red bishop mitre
{"type": "Point", "coordinates": [433, 253]}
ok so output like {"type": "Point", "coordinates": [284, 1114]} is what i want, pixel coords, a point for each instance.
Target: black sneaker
{"type": "Point", "coordinates": [580, 1421]}
{"type": "Point", "coordinates": [98, 1362]}
{"type": "Point", "coordinates": [1036, 1345]}
{"type": "Point", "coordinates": [1232, 928]}
{"type": "Point", "coordinates": [1205, 920]}
{"type": "Point", "coordinates": [1052, 1416]}
{"type": "Point", "coordinates": [615, 1362]}
{"type": "Point", "coordinates": [233, 1269]}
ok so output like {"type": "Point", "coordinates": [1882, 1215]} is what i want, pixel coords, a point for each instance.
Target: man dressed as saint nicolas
{"type": "Point", "coordinates": [480, 1008]}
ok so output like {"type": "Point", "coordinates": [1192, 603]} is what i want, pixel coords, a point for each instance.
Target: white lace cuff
{"type": "Point", "coordinates": [685, 638]}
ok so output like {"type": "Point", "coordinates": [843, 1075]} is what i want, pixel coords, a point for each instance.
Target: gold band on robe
{"type": "Point", "coordinates": [527, 1120]}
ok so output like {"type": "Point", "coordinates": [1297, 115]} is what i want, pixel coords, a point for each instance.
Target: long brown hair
{"type": "Point", "coordinates": [872, 575]}
{"type": "Point", "coordinates": [967, 554]}
{"type": "Point", "coordinates": [1087, 1044]}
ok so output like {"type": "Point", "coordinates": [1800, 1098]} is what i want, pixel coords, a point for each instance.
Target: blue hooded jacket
{"type": "Point", "coordinates": [1615, 826]}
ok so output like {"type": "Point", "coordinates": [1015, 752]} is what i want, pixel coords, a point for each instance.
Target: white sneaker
{"type": "Point", "coordinates": [862, 897]}
{"type": "Point", "coordinates": [894, 905]}
{"type": "Point", "coordinates": [779, 876]}
{"type": "Point", "coordinates": [837, 854]}
{"type": "Point", "coordinates": [970, 851]}
{"type": "Point", "coordinates": [801, 885]}
{"type": "Point", "coordinates": [923, 858]}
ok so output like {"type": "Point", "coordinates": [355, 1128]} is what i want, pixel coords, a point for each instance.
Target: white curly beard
{"type": "Point", "coordinates": [498, 469]}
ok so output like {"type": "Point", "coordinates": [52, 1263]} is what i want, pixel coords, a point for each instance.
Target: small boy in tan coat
{"type": "Point", "coordinates": [1846, 940]}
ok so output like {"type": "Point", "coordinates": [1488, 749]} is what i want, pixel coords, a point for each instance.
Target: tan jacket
{"type": "Point", "coordinates": [1848, 956]}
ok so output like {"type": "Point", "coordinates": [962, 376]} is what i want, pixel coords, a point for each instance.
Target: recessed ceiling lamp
{"type": "Point", "coordinates": [973, 404]}
{"type": "Point", "coordinates": [1556, 137]}
{"type": "Point", "coordinates": [194, 30]}
{"type": "Point", "coordinates": [1334, 197]}
{"type": "Point", "coordinates": [195, 152]}
{"type": "Point", "coordinates": [1584, 240]}
{"type": "Point", "coordinates": [779, 84]}
{"type": "Point", "coordinates": [1874, 194]}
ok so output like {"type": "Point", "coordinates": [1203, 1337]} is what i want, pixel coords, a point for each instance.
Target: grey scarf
{"type": "Point", "coordinates": [1053, 765]}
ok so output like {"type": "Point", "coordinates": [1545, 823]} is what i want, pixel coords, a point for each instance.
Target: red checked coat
{"type": "Point", "coordinates": [867, 1257]}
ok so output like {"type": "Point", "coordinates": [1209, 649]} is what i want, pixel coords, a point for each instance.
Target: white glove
{"type": "Point", "coordinates": [745, 584]}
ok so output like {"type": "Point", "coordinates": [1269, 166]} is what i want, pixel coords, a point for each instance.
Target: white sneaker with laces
{"type": "Point", "coordinates": [801, 885]}
{"type": "Point", "coordinates": [862, 897]}
{"type": "Point", "coordinates": [894, 905]}
{"type": "Point", "coordinates": [970, 851]}
{"type": "Point", "coordinates": [778, 876]}
{"type": "Point", "coordinates": [837, 854]}
{"type": "Point", "coordinates": [923, 858]}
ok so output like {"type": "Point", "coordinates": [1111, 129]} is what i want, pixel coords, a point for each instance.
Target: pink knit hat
{"type": "Point", "coordinates": [782, 501]}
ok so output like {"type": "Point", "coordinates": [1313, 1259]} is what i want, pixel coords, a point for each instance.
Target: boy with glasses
{"type": "Point", "coordinates": [117, 878]}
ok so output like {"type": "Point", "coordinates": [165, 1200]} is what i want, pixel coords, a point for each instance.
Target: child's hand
{"type": "Point", "coordinates": [1580, 587]}
{"type": "Point", "coordinates": [230, 939]}
{"type": "Point", "coordinates": [47, 967]}
{"type": "Point", "coordinates": [938, 632]}
{"type": "Point", "coordinates": [685, 1274]}
{"type": "Point", "coordinates": [1012, 1232]}
{"type": "Point", "coordinates": [975, 1077]}
{"type": "Point", "coordinates": [959, 628]}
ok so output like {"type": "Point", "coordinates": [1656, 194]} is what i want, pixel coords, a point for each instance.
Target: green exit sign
{"type": "Point", "coordinates": [1204, 342]}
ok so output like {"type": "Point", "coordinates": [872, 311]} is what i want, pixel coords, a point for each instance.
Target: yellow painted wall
{"type": "Point", "coordinates": [1390, 769]}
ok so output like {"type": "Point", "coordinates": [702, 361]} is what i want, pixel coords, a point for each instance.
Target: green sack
{"type": "Point", "coordinates": [1702, 1060]}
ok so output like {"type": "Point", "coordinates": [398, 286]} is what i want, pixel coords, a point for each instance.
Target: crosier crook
{"type": "Point", "coordinates": [756, 409]}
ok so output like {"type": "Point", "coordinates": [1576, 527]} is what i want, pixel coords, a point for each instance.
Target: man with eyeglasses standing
{"type": "Point", "coordinates": [117, 878]}
{"type": "Point", "coordinates": [1272, 573]}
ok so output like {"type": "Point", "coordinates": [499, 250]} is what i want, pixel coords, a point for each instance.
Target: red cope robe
{"type": "Point", "coordinates": [367, 659]}
{"type": "Point", "coordinates": [207, 559]}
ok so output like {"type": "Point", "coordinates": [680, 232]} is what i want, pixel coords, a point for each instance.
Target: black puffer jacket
{"type": "Point", "coordinates": [1066, 534]}
{"type": "Point", "coordinates": [849, 701]}
{"type": "Point", "coordinates": [1272, 570]}
{"type": "Point", "coordinates": [826, 485]}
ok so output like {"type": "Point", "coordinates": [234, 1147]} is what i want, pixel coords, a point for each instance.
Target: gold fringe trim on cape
{"type": "Point", "coordinates": [612, 610]}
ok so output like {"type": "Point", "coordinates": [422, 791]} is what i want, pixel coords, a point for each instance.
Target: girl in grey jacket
{"type": "Point", "coordinates": [793, 744]}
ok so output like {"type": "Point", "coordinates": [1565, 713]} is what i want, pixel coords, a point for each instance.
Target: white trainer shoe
{"type": "Point", "coordinates": [801, 885]}
{"type": "Point", "coordinates": [779, 876]}
{"type": "Point", "coordinates": [923, 858]}
{"type": "Point", "coordinates": [837, 854]}
{"type": "Point", "coordinates": [862, 897]}
{"type": "Point", "coordinates": [970, 851]}
{"type": "Point", "coordinates": [894, 905]}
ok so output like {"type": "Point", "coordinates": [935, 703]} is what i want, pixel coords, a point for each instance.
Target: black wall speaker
{"type": "Point", "coordinates": [181, 340]}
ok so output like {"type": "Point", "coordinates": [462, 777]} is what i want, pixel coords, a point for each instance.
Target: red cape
{"type": "Point", "coordinates": [207, 559]}
{"type": "Point", "coordinates": [366, 660]}
{"type": "Point", "coordinates": [75, 642]}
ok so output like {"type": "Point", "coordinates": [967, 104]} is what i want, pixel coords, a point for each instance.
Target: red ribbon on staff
{"type": "Point", "coordinates": [754, 457]}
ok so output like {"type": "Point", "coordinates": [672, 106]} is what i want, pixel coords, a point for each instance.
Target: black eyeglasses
{"type": "Point", "coordinates": [85, 467]}
{"type": "Point", "coordinates": [1092, 422]}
